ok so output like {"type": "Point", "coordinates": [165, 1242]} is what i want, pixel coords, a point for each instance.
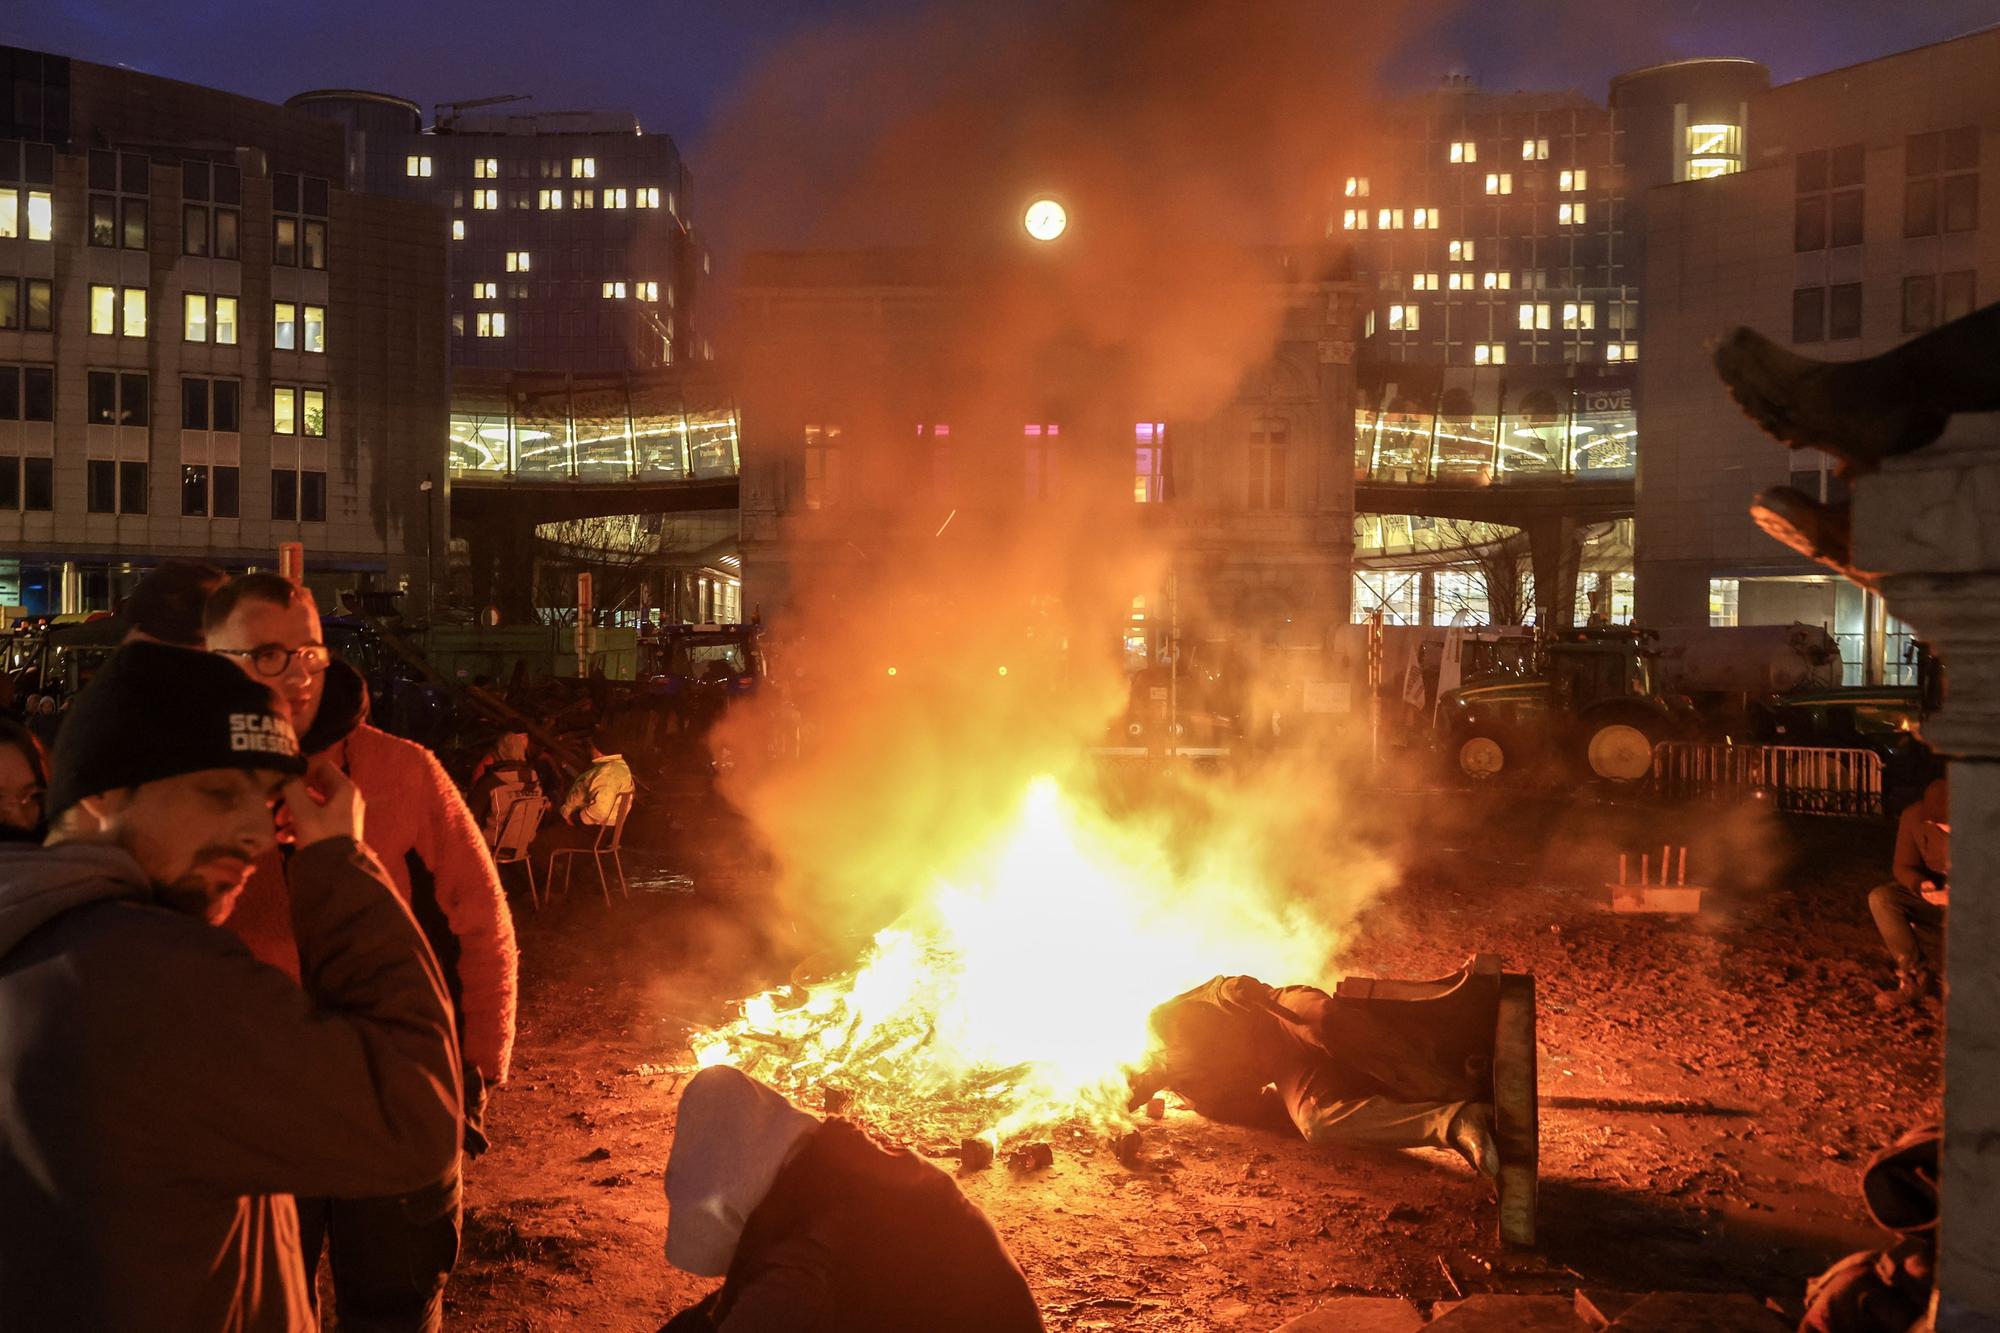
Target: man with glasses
{"type": "Point", "coordinates": [391, 1257]}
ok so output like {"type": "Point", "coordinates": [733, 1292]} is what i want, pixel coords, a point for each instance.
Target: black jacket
{"type": "Point", "coordinates": [856, 1238]}
{"type": "Point", "coordinates": [163, 1093]}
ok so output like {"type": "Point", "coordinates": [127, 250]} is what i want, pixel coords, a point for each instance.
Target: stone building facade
{"type": "Point", "coordinates": [1252, 503]}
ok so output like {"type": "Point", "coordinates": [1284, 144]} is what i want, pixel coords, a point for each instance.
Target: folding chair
{"type": "Point", "coordinates": [609, 838]}
{"type": "Point", "coordinates": [518, 826]}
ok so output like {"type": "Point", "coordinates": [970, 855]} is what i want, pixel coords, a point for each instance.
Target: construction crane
{"type": "Point", "coordinates": [444, 122]}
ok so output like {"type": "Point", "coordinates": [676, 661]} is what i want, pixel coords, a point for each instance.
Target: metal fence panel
{"type": "Point", "coordinates": [1797, 779]}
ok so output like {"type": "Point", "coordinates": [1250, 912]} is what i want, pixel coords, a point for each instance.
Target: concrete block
{"type": "Point", "coordinates": [1597, 1307]}
{"type": "Point", "coordinates": [1358, 1314]}
{"type": "Point", "coordinates": [1673, 1311]}
{"type": "Point", "coordinates": [1489, 1313]}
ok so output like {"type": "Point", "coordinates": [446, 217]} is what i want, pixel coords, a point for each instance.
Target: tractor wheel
{"type": "Point", "coordinates": [1618, 747]}
{"type": "Point", "coordinates": [1481, 756]}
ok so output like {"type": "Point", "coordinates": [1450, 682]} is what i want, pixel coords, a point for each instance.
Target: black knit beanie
{"type": "Point", "coordinates": [156, 711]}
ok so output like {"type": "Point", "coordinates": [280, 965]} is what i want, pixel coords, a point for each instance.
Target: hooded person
{"type": "Point", "coordinates": [504, 776]}
{"type": "Point", "coordinates": [391, 1256]}
{"type": "Point", "coordinates": [162, 1093]}
{"type": "Point", "coordinates": [815, 1228]}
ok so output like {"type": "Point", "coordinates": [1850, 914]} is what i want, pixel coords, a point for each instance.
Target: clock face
{"type": "Point", "coordinates": [1045, 220]}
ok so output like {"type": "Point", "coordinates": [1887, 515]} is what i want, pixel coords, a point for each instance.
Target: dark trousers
{"type": "Point", "coordinates": [1900, 914]}
{"type": "Point", "coordinates": [390, 1256]}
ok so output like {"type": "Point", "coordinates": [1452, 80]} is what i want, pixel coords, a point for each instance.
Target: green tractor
{"type": "Point", "coordinates": [1593, 703]}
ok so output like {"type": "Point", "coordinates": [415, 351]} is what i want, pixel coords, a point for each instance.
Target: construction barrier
{"type": "Point", "coordinates": [1797, 779]}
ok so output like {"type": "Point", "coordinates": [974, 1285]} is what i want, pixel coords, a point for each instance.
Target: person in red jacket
{"type": "Point", "coordinates": [815, 1228]}
{"type": "Point", "coordinates": [391, 1256]}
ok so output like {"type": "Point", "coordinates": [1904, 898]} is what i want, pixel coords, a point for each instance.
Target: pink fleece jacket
{"type": "Point", "coordinates": [414, 810]}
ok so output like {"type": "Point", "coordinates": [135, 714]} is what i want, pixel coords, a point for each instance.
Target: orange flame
{"type": "Point", "coordinates": [1016, 995]}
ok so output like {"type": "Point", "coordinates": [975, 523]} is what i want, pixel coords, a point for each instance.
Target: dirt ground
{"type": "Point", "coordinates": [1709, 1089]}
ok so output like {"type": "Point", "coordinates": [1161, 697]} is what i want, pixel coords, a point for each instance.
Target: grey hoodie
{"type": "Point", "coordinates": [162, 1093]}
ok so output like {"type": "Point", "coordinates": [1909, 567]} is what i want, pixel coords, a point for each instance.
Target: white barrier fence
{"type": "Point", "coordinates": [1797, 779]}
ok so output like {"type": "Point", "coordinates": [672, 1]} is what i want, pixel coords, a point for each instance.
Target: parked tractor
{"type": "Point", "coordinates": [1593, 703]}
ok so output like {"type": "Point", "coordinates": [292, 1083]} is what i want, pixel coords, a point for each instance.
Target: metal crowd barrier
{"type": "Point", "coordinates": [1797, 779]}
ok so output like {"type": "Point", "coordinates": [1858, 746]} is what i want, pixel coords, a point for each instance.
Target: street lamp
{"type": "Point", "coordinates": [430, 560]}
{"type": "Point", "coordinates": [1046, 219]}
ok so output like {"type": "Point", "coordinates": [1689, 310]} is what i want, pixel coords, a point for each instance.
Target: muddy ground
{"type": "Point", "coordinates": [1709, 1090]}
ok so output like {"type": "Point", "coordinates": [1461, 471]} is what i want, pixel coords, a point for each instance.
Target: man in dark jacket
{"type": "Point", "coordinates": [162, 1093]}
{"type": "Point", "coordinates": [816, 1229]}
{"type": "Point", "coordinates": [1916, 898]}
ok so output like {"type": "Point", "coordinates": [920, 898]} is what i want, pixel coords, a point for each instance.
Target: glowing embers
{"type": "Point", "coordinates": [1045, 219]}
{"type": "Point", "coordinates": [1016, 994]}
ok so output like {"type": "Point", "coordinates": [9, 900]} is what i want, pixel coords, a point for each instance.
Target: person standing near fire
{"type": "Point", "coordinates": [163, 1094]}
{"type": "Point", "coordinates": [391, 1256]}
{"type": "Point", "coordinates": [1917, 897]}
{"type": "Point", "coordinates": [811, 1224]}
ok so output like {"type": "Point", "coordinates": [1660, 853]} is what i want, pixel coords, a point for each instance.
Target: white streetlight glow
{"type": "Point", "coordinates": [1045, 219]}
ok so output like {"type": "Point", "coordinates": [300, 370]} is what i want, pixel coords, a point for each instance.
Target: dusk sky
{"type": "Point", "coordinates": [675, 61]}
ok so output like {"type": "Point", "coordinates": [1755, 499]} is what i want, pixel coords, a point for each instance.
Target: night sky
{"type": "Point", "coordinates": [674, 61]}
{"type": "Point", "coordinates": [679, 62]}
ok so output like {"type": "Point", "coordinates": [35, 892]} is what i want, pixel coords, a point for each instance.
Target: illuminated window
{"type": "Point", "coordinates": [1571, 215]}
{"type": "Point", "coordinates": [315, 328]}
{"type": "Point", "coordinates": [1425, 282]}
{"type": "Point", "coordinates": [132, 302]}
{"type": "Point", "coordinates": [41, 215]}
{"type": "Point", "coordinates": [104, 310]}
{"type": "Point", "coordinates": [225, 320]}
{"type": "Point", "coordinates": [615, 197]}
{"type": "Point", "coordinates": [583, 168]}
{"type": "Point", "coordinates": [485, 291]}
{"type": "Point", "coordinates": [284, 411]}
{"type": "Point", "coordinates": [1461, 282]}
{"type": "Point", "coordinates": [1573, 180]}
{"type": "Point", "coordinates": [284, 326]}
{"type": "Point", "coordinates": [194, 317]}
{"type": "Point", "coordinates": [1534, 150]}
{"type": "Point", "coordinates": [1403, 317]}
{"type": "Point", "coordinates": [1496, 281]}
{"type": "Point", "coordinates": [646, 196]}
{"type": "Point", "coordinates": [1621, 351]}
{"type": "Point", "coordinates": [458, 227]}
{"type": "Point", "coordinates": [417, 164]}
{"type": "Point", "coordinates": [1489, 354]}
{"type": "Point", "coordinates": [646, 291]}
{"type": "Point", "coordinates": [1424, 219]}
{"type": "Point", "coordinates": [484, 200]}
{"type": "Point", "coordinates": [10, 213]}
{"type": "Point", "coordinates": [1713, 150]}
{"type": "Point", "coordinates": [1357, 187]}
{"type": "Point", "coordinates": [548, 199]}
{"type": "Point", "coordinates": [1464, 150]}
{"type": "Point", "coordinates": [1355, 219]}
{"type": "Point", "coordinates": [1579, 314]}
{"type": "Point", "coordinates": [1149, 470]}
{"type": "Point", "coordinates": [517, 261]}
{"type": "Point", "coordinates": [486, 168]}
{"type": "Point", "coordinates": [1535, 315]}
{"type": "Point", "coordinates": [1389, 219]}
{"type": "Point", "coordinates": [614, 291]}
{"type": "Point", "coordinates": [1500, 182]}
{"type": "Point", "coordinates": [1368, 325]}
{"type": "Point", "coordinates": [583, 198]}
{"type": "Point", "coordinates": [1461, 251]}
{"type": "Point", "coordinates": [490, 324]}
{"type": "Point", "coordinates": [312, 412]}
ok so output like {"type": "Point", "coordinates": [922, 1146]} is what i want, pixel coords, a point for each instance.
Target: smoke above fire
{"type": "Point", "coordinates": [946, 646]}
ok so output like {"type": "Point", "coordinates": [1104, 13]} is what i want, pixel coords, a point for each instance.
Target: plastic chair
{"type": "Point", "coordinates": [518, 826]}
{"type": "Point", "coordinates": [609, 838]}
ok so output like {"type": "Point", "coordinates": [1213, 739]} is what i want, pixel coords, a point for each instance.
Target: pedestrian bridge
{"type": "Point", "coordinates": [644, 441]}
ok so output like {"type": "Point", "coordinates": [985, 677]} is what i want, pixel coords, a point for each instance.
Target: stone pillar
{"type": "Point", "coordinates": [1930, 522]}
{"type": "Point", "coordinates": [1554, 548]}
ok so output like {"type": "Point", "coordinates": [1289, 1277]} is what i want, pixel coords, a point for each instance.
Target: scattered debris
{"type": "Point", "coordinates": [974, 1154]}
{"type": "Point", "coordinates": [834, 1100]}
{"type": "Point", "coordinates": [596, 1155]}
{"type": "Point", "coordinates": [1156, 1109]}
{"type": "Point", "coordinates": [1128, 1146]}
{"type": "Point", "coordinates": [1031, 1157]}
